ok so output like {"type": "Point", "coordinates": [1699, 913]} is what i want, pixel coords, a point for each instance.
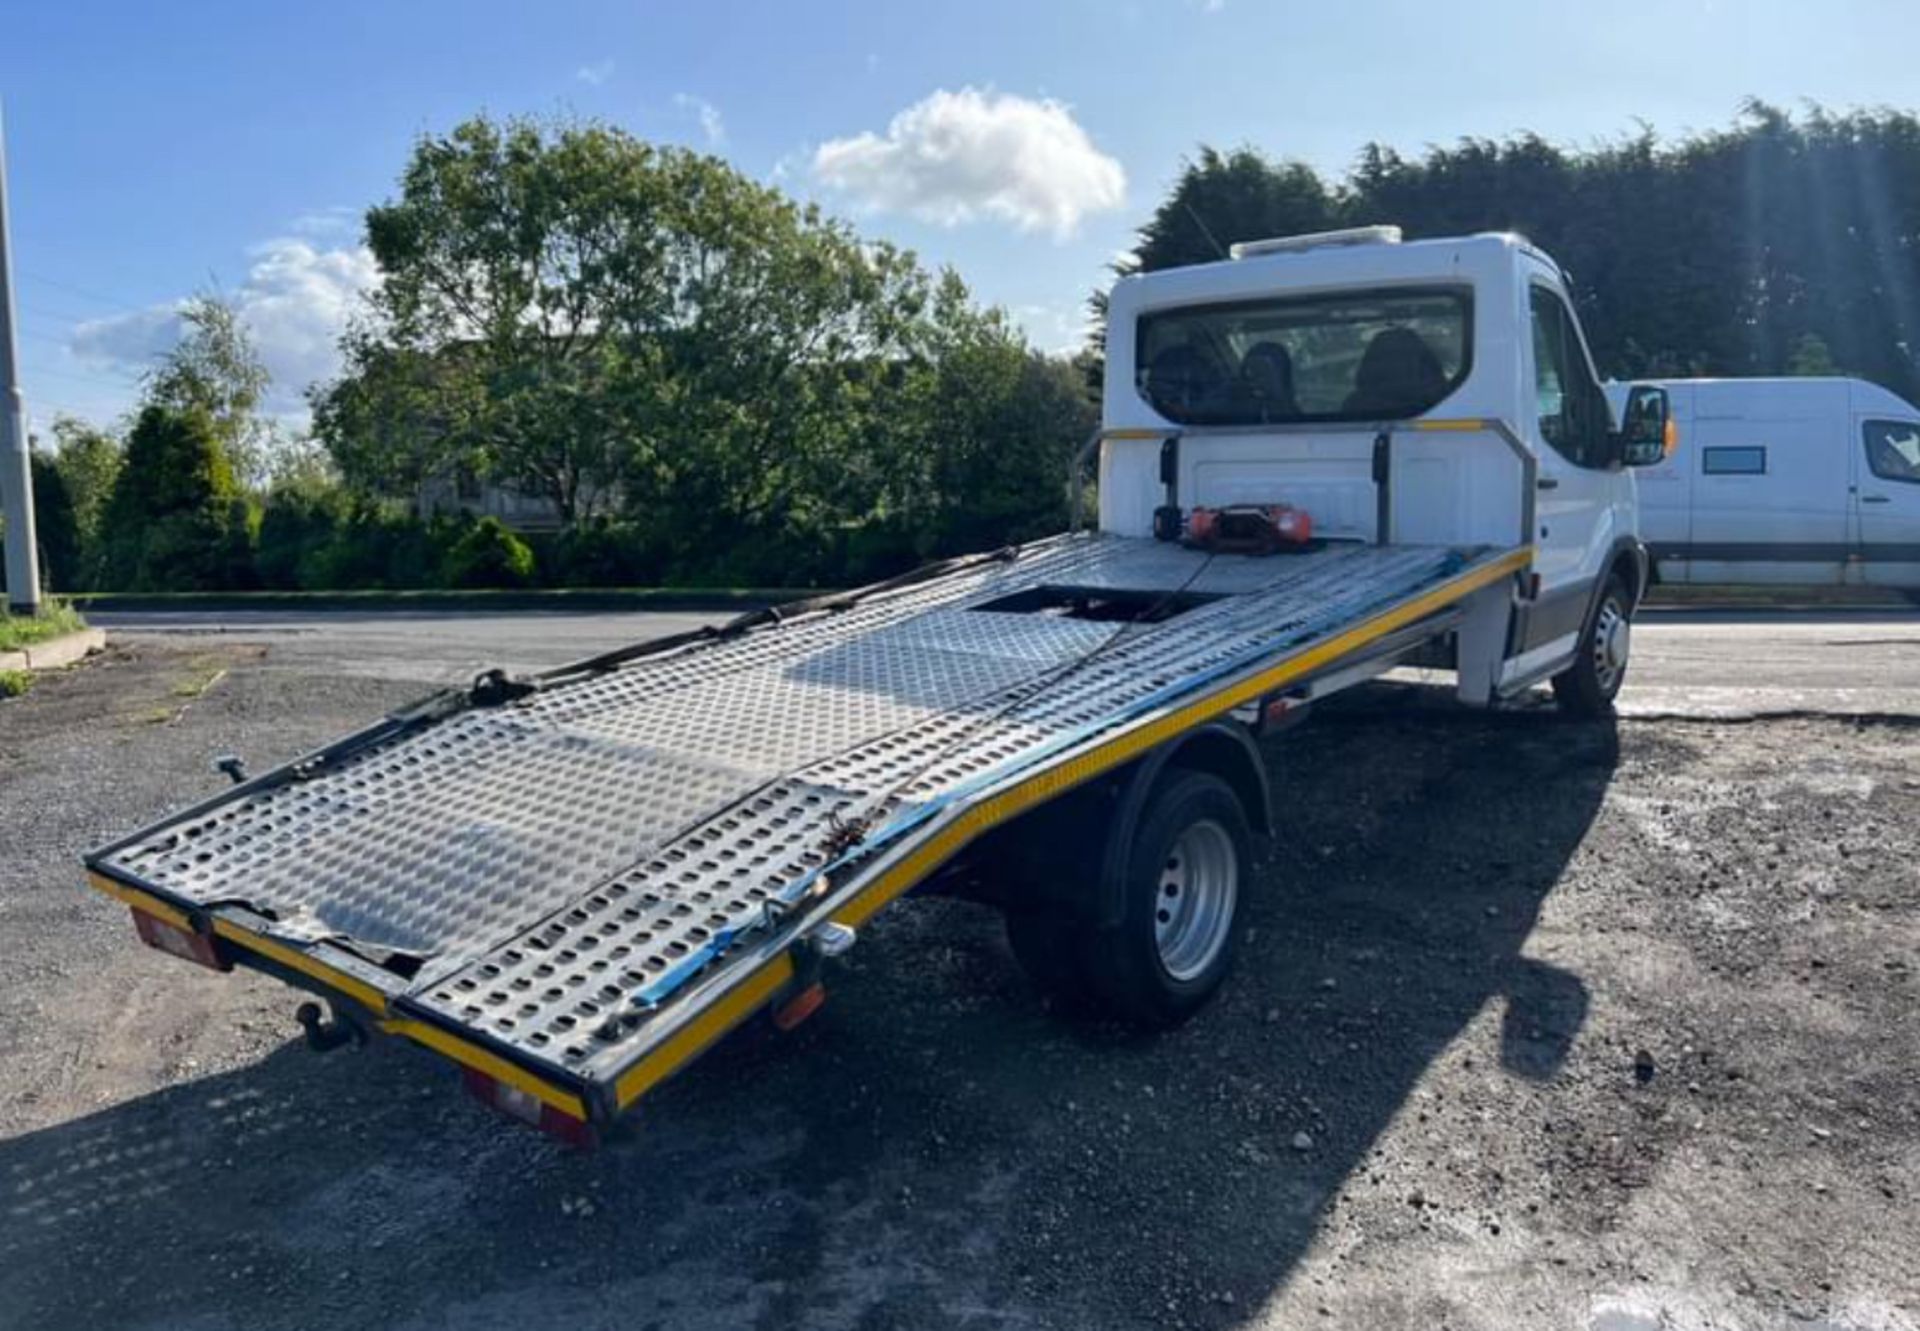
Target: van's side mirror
{"type": "Point", "coordinates": [1646, 427]}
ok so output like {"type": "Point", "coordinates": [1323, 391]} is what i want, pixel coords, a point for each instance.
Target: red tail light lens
{"type": "Point", "coordinates": [528, 1108]}
{"type": "Point", "coordinates": [178, 942]}
{"type": "Point", "coordinates": [797, 1009]}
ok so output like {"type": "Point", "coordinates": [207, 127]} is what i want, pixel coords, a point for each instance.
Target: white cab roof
{"type": "Point", "coordinates": [1458, 258]}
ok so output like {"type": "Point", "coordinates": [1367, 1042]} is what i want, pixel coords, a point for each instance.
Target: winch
{"type": "Point", "coordinates": [1238, 529]}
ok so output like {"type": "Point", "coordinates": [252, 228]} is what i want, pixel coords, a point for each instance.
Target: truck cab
{"type": "Point", "coordinates": [1432, 392]}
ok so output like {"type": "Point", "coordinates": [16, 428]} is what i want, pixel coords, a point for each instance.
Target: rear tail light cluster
{"type": "Point", "coordinates": [178, 942]}
{"type": "Point", "coordinates": [528, 1108]}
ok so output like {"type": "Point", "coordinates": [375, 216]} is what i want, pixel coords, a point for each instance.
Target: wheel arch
{"type": "Point", "coordinates": [1629, 561]}
{"type": "Point", "coordinates": [1221, 748]}
{"type": "Point", "coordinates": [1046, 851]}
{"type": "Point", "coordinates": [1227, 750]}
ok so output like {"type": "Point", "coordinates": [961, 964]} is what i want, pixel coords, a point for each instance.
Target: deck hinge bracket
{"type": "Point", "coordinates": [495, 688]}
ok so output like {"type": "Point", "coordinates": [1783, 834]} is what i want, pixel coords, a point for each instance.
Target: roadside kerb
{"type": "Point", "coordinates": [56, 652]}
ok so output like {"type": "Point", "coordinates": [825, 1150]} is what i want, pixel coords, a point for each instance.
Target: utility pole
{"type": "Point", "coordinates": [16, 467]}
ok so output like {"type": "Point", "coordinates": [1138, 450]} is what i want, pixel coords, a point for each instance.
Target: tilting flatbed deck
{"type": "Point", "coordinates": [574, 887]}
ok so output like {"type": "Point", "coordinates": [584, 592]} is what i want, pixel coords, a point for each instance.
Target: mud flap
{"type": "Point", "coordinates": [1482, 641]}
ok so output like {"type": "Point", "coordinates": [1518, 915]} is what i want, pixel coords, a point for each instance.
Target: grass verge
{"type": "Point", "coordinates": [56, 619]}
{"type": "Point", "coordinates": [13, 683]}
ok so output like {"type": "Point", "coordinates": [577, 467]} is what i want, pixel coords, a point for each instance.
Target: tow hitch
{"type": "Point", "coordinates": [325, 1033]}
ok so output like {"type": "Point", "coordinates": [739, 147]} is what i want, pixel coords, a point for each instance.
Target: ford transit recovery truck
{"type": "Point", "coordinates": [572, 883]}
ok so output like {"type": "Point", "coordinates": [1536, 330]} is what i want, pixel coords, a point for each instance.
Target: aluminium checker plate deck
{"type": "Point", "coordinates": [559, 867]}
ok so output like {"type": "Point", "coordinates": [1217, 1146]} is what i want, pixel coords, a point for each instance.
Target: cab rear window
{"type": "Point", "coordinates": [1351, 356]}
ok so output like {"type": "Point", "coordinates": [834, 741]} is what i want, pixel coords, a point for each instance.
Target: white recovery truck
{"type": "Point", "coordinates": [573, 883]}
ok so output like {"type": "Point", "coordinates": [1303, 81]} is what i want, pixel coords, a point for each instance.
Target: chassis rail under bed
{"type": "Point", "coordinates": [574, 887]}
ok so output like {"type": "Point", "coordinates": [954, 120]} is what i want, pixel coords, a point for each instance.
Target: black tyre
{"type": "Point", "coordinates": [1587, 687]}
{"type": "Point", "coordinates": [1184, 880]}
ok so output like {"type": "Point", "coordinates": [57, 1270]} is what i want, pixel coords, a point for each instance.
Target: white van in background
{"type": "Point", "coordinates": [1784, 481]}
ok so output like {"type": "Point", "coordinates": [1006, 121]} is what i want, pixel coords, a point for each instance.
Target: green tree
{"type": "Point", "coordinates": [88, 460]}
{"type": "Point", "coordinates": [704, 378]}
{"type": "Point", "coordinates": [56, 526]}
{"type": "Point", "coordinates": [515, 266]}
{"type": "Point", "coordinates": [215, 368]}
{"type": "Point", "coordinates": [1218, 199]}
{"type": "Point", "coordinates": [296, 529]}
{"type": "Point", "coordinates": [575, 312]}
{"type": "Point", "coordinates": [171, 523]}
{"type": "Point", "coordinates": [1221, 198]}
{"type": "Point", "coordinates": [398, 416]}
{"type": "Point", "coordinates": [768, 404]}
{"type": "Point", "coordinates": [301, 463]}
{"type": "Point", "coordinates": [1811, 358]}
{"type": "Point", "coordinates": [489, 555]}
{"type": "Point", "coordinates": [988, 427]}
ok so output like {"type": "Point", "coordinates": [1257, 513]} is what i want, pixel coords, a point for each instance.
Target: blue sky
{"type": "Point", "coordinates": [157, 149]}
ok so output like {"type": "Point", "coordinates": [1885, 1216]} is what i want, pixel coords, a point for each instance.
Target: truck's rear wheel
{"type": "Point", "coordinates": [1181, 905]}
{"type": "Point", "coordinates": [1587, 687]}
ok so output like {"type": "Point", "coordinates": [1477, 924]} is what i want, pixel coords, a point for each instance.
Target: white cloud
{"type": "Point", "coordinates": [957, 156]}
{"type": "Point", "coordinates": [127, 341]}
{"type": "Point", "coordinates": [595, 74]}
{"type": "Point", "coordinates": [708, 114]}
{"type": "Point", "coordinates": [295, 302]}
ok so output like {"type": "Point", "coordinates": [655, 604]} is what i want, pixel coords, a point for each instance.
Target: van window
{"type": "Point", "coordinates": [1893, 450]}
{"type": "Point", "coordinates": [1354, 356]}
{"type": "Point", "coordinates": [1571, 406]}
{"type": "Point", "coordinates": [1744, 460]}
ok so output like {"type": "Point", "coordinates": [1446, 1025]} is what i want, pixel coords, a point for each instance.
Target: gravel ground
{"type": "Point", "coordinates": [1540, 1024]}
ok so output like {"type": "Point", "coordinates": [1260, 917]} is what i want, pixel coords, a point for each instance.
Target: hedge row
{"type": "Point", "coordinates": [304, 545]}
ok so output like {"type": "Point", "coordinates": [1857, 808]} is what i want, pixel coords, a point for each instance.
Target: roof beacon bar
{"type": "Point", "coordinates": [1353, 235]}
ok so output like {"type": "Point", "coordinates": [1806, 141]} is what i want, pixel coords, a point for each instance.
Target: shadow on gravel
{"type": "Point", "coordinates": [935, 1149]}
